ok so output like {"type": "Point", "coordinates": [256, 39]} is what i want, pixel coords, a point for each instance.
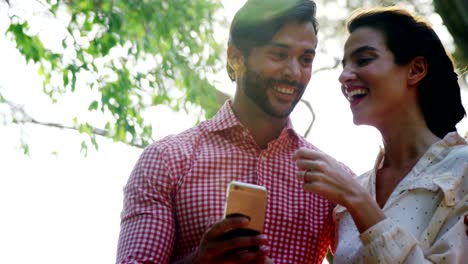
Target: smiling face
{"type": "Point", "coordinates": [375, 86]}
{"type": "Point", "coordinates": [277, 73]}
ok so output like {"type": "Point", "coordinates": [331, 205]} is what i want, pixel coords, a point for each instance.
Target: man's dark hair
{"type": "Point", "coordinates": [408, 36]}
{"type": "Point", "coordinates": [257, 21]}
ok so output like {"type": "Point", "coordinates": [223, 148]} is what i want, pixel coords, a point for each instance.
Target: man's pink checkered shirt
{"type": "Point", "coordinates": [178, 189]}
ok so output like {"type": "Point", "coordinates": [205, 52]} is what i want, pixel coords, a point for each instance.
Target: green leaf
{"type": "Point", "coordinates": [84, 148]}
{"type": "Point", "coordinates": [93, 106]}
{"type": "Point", "coordinates": [65, 78]}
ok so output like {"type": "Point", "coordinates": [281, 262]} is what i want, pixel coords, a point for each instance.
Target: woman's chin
{"type": "Point", "coordinates": [359, 120]}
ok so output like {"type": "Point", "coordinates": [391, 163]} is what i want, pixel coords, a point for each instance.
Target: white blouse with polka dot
{"type": "Point", "coordinates": [424, 214]}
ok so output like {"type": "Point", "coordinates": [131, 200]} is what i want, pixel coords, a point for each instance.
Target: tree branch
{"type": "Point", "coordinates": [308, 104]}
{"type": "Point", "coordinates": [336, 62]}
{"type": "Point", "coordinates": [23, 118]}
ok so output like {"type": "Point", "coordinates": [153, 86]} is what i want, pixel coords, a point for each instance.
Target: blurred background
{"type": "Point", "coordinates": [85, 85]}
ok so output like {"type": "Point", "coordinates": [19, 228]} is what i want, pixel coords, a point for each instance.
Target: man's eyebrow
{"type": "Point", "coordinates": [285, 46]}
{"type": "Point", "coordinates": [357, 51]}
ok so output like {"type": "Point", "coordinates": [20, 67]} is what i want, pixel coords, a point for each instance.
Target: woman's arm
{"type": "Point", "coordinates": [387, 242]}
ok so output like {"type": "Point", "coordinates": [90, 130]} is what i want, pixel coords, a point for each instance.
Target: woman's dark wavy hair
{"type": "Point", "coordinates": [257, 21]}
{"type": "Point", "coordinates": [407, 37]}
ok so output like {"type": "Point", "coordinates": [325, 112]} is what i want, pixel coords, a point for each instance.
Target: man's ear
{"type": "Point", "coordinates": [417, 70]}
{"type": "Point", "coordinates": [235, 61]}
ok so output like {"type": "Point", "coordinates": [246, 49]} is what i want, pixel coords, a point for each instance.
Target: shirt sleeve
{"type": "Point", "coordinates": [147, 231]}
{"type": "Point", "coordinates": [387, 242]}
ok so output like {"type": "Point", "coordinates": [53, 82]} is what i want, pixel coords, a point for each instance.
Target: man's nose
{"type": "Point", "coordinates": [293, 70]}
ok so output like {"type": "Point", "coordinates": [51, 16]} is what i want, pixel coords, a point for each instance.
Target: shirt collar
{"type": "Point", "coordinates": [433, 179]}
{"type": "Point", "coordinates": [447, 182]}
{"type": "Point", "coordinates": [226, 119]}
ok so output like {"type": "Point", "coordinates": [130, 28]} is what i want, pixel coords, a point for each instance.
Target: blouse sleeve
{"type": "Point", "coordinates": [387, 242]}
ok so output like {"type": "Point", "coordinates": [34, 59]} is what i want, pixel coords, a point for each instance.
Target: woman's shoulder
{"type": "Point", "coordinates": [456, 156]}
{"type": "Point", "coordinates": [451, 154]}
{"type": "Point", "coordinates": [450, 172]}
{"type": "Point", "coordinates": [459, 152]}
{"type": "Point", "coordinates": [456, 145]}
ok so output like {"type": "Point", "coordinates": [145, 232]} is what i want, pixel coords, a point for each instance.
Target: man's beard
{"type": "Point", "coordinates": [256, 87]}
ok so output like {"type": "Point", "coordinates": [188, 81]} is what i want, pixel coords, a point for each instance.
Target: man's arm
{"type": "Point", "coordinates": [147, 225]}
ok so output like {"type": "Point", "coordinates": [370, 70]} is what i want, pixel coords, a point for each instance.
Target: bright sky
{"type": "Point", "coordinates": [60, 207]}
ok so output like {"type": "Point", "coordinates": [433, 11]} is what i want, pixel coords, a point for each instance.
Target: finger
{"type": "Point", "coordinates": [227, 224]}
{"type": "Point", "coordinates": [310, 165]}
{"type": "Point", "coordinates": [318, 188]}
{"type": "Point", "coordinates": [264, 250]}
{"type": "Point", "coordinates": [240, 250]}
{"type": "Point", "coordinates": [246, 241]}
{"type": "Point", "coordinates": [310, 177]}
{"type": "Point", "coordinates": [261, 255]}
{"type": "Point", "coordinates": [224, 251]}
{"type": "Point", "coordinates": [318, 175]}
{"type": "Point", "coordinates": [301, 175]}
{"type": "Point", "coordinates": [307, 153]}
{"type": "Point", "coordinates": [248, 257]}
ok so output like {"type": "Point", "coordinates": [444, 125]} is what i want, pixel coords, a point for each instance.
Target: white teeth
{"type": "Point", "coordinates": [284, 90]}
{"type": "Point", "coordinates": [353, 93]}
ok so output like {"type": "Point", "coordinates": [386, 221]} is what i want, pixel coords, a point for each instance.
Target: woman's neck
{"type": "Point", "coordinates": [405, 145]}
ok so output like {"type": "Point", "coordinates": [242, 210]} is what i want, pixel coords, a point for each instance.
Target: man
{"type": "Point", "coordinates": [175, 196]}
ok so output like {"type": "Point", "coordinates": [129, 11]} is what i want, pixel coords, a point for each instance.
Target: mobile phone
{"type": "Point", "coordinates": [249, 200]}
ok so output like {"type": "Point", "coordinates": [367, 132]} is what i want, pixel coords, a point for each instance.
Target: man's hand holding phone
{"type": "Point", "coordinates": [238, 237]}
{"type": "Point", "coordinates": [215, 248]}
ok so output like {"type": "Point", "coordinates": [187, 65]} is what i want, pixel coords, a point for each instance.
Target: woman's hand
{"type": "Point", "coordinates": [327, 177]}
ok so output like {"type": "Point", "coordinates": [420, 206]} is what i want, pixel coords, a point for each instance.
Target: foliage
{"type": "Point", "coordinates": [137, 54]}
{"type": "Point", "coordinates": [134, 53]}
{"type": "Point", "coordinates": [454, 13]}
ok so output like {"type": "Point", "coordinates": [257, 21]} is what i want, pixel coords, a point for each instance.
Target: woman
{"type": "Point", "coordinates": [409, 208]}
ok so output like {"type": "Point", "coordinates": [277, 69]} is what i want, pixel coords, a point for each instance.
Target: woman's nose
{"type": "Point", "coordinates": [346, 75]}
